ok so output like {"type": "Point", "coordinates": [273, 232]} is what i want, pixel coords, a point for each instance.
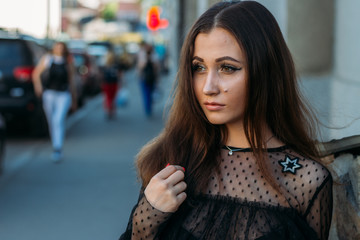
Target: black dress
{"type": "Point", "coordinates": [240, 204]}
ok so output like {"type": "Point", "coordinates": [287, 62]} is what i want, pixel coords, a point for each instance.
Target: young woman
{"type": "Point", "coordinates": [57, 89]}
{"type": "Point", "coordinates": [237, 159]}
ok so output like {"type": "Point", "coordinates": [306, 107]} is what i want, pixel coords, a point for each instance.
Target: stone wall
{"type": "Point", "coordinates": [343, 161]}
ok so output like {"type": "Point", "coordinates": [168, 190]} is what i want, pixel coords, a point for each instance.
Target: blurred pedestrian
{"type": "Point", "coordinates": [237, 158]}
{"type": "Point", "coordinates": [162, 54]}
{"type": "Point", "coordinates": [148, 73]}
{"type": "Point", "coordinates": [111, 82]}
{"type": "Point", "coordinates": [54, 82]}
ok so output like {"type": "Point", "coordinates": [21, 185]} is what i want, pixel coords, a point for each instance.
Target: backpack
{"type": "Point", "coordinates": [55, 76]}
{"type": "Point", "coordinates": [149, 73]}
{"type": "Point", "coordinates": [110, 75]}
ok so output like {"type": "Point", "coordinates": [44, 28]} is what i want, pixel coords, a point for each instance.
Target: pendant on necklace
{"type": "Point", "coordinates": [230, 151]}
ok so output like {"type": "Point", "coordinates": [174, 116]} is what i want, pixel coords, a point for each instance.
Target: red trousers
{"type": "Point", "coordinates": [109, 90]}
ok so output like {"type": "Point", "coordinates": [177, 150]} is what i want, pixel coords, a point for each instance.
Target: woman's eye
{"type": "Point", "coordinates": [198, 68]}
{"type": "Point", "coordinates": [229, 68]}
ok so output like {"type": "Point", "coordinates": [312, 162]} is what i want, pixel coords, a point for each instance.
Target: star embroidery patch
{"type": "Point", "coordinates": [290, 165]}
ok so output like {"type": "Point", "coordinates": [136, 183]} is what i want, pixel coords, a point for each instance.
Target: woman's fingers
{"type": "Point", "coordinates": [168, 171]}
{"type": "Point", "coordinates": [179, 188]}
{"type": "Point", "coordinates": [181, 197]}
{"type": "Point", "coordinates": [175, 178]}
{"type": "Point", "coordinates": [179, 168]}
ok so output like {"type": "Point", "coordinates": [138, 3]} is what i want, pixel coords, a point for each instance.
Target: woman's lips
{"type": "Point", "coordinates": [214, 106]}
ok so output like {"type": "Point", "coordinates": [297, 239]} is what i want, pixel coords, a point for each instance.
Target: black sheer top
{"type": "Point", "coordinates": [240, 204]}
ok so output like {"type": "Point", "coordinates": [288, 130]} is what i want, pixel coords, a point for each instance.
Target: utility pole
{"type": "Point", "coordinates": [47, 42]}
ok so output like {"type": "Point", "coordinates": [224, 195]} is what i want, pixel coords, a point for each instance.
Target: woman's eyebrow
{"type": "Point", "coordinates": [218, 59]}
{"type": "Point", "coordinates": [227, 58]}
{"type": "Point", "coordinates": [198, 58]}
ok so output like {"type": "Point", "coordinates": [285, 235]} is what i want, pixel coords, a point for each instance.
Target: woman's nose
{"type": "Point", "coordinates": [211, 86]}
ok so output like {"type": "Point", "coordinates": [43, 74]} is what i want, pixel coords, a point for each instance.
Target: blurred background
{"type": "Point", "coordinates": [89, 195]}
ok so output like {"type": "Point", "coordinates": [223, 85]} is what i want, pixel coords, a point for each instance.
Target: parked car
{"type": "Point", "coordinates": [18, 58]}
{"type": "Point", "coordinates": [88, 71]}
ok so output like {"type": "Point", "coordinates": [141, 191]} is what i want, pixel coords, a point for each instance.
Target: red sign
{"type": "Point", "coordinates": [153, 21]}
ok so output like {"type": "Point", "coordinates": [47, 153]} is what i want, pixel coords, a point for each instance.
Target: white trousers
{"type": "Point", "coordinates": [56, 105]}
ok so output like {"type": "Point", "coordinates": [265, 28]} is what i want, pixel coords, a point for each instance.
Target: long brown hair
{"type": "Point", "coordinates": [273, 99]}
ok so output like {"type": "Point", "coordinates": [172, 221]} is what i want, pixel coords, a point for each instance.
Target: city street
{"type": "Point", "coordinates": [90, 194]}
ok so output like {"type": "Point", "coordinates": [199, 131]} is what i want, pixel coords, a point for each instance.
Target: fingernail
{"type": "Point", "coordinates": [167, 165]}
{"type": "Point", "coordinates": [183, 169]}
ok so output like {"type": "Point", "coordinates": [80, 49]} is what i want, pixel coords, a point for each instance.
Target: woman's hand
{"type": "Point", "coordinates": [39, 69]}
{"type": "Point", "coordinates": [38, 90]}
{"type": "Point", "coordinates": [166, 190]}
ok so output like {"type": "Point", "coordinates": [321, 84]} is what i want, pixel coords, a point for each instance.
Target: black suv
{"type": "Point", "coordinates": [18, 58]}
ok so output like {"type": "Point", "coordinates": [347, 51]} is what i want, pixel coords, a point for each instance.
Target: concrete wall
{"type": "Point", "coordinates": [191, 14]}
{"type": "Point", "coordinates": [310, 31]}
{"type": "Point", "coordinates": [345, 111]}
{"type": "Point", "coordinates": [308, 27]}
{"type": "Point", "coordinates": [279, 9]}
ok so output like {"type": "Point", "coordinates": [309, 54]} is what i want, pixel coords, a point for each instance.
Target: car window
{"type": "Point", "coordinates": [97, 50]}
{"type": "Point", "coordinates": [12, 54]}
{"type": "Point", "coordinates": [79, 60]}
{"type": "Point", "coordinates": [37, 50]}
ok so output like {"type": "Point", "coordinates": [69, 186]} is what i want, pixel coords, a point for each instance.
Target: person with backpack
{"type": "Point", "coordinates": [54, 83]}
{"type": "Point", "coordinates": [148, 77]}
{"type": "Point", "coordinates": [110, 85]}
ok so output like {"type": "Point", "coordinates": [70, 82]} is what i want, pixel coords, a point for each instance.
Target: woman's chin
{"type": "Point", "coordinates": [216, 121]}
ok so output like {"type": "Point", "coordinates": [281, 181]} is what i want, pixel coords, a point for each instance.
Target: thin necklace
{"type": "Point", "coordinates": [231, 150]}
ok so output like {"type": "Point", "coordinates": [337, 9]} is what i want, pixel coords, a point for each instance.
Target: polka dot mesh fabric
{"type": "Point", "coordinates": [146, 220]}
{"type": "Point", "coordinates": [240, 203]}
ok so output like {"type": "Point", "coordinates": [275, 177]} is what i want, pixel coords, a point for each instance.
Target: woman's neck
{"type": "Point", "coordinates": [237, 137]}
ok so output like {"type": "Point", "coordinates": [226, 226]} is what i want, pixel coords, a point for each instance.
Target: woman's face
{"type": "Point", "coordinates": [220, 77]}
{"type": "Point", "coordinates": [58, 49]}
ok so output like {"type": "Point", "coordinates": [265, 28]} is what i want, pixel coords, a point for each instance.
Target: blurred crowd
{"type": "Point", "coordinates": [95, 68]}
